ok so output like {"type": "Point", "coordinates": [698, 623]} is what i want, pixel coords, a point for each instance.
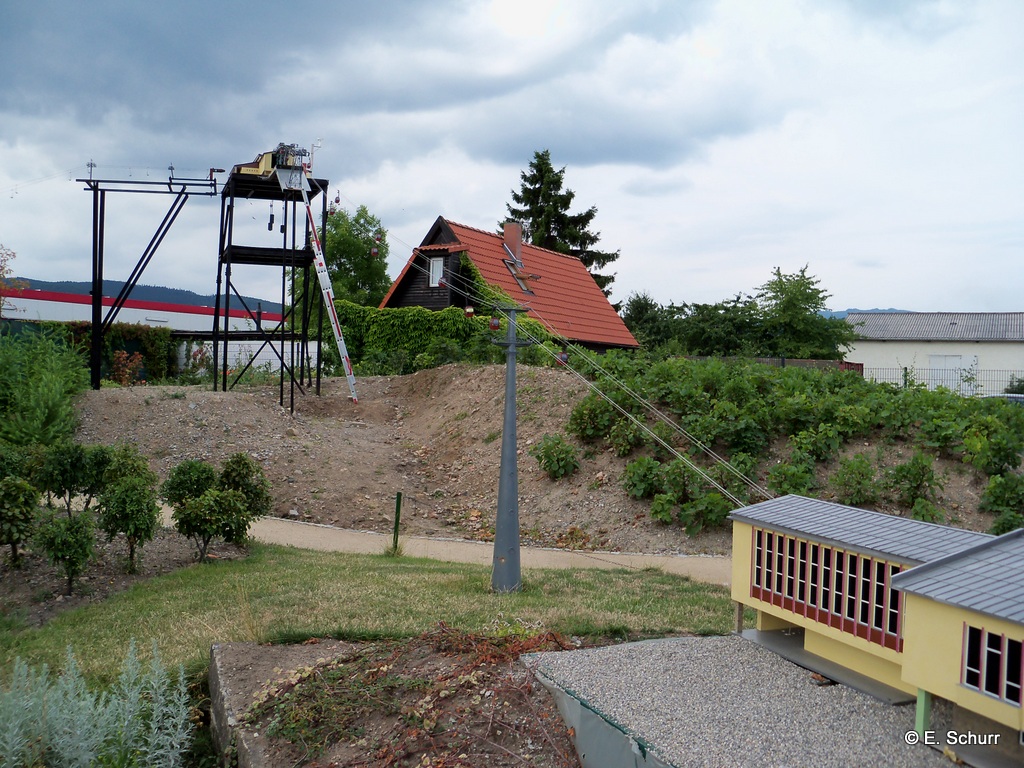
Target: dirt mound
{"type": "Point", "coordinates": [444, 698]}
{"type": "Point", "coordinates": [435, 436]}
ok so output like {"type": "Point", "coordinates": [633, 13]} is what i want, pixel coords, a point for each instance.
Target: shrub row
{"type": "Point", "coordinates": [740, 409]}
{"type": "Point", "coordinates": [207, 503]}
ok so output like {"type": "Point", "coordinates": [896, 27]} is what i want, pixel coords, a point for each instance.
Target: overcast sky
{"type": "Point", "coordinates": [878, 142]}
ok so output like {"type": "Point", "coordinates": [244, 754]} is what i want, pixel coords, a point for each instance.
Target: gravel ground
{"type": "Point", "coordinates": [707, 701]}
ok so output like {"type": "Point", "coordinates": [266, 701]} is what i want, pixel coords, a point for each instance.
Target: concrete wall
{"type": "Point", "coordinates": [915, 354]}
{"type": "Point", "coordinates": [177, 317]}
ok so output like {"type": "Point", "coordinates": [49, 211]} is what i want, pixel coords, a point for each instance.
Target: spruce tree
{"type": "Point", "coordinates": [542, 208]}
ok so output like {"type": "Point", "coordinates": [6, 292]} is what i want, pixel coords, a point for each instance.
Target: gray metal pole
{"type": "Point", "coordinates": [505, 576]}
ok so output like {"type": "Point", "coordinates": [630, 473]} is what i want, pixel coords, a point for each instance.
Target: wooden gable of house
{"type": "Point", "coordinates": [555, 288]}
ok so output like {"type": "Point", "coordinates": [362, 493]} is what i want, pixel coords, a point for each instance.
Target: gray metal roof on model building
{"type": "Point", "coordinates": [938, 326]}
{"type": "Point", "coordinates": [987, 578]}
{"type": "Point", "coordinates": [899, 538]}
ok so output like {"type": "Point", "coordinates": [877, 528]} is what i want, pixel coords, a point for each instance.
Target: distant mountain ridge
{"type": "Point", "coordinates": [842, 313]}
{"type": "Point", "coordinates": [154, 293]}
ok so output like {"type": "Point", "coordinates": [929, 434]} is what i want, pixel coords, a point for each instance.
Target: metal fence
{"type": "Point", "coordinates": [965, 381]}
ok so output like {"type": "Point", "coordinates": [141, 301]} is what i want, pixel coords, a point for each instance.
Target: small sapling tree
{"type": "Point", "coordinates": [19, 501]}
{"type": "Point", "coordinates": [241, 473]}
{"type": "Point", "coordinates": [68, 542]}
{"type": "Point", "coordinates": [62, 471]}
{"type": "Point", "coordinates": [130, 506]}
{"type": "Point", "coordinates": [215, 514]}
{"type": "Point", "coordinates": [125, 461]}
{"type": "Point", "coordinates": [188, 480]}
{"type": "Point", "coordinates": [208, 505]}
{"type": "Point", "coordinates": [93, 477]}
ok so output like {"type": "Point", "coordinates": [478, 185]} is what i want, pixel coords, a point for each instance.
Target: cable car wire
{"type": "Point", "coordinates": [495, 300]}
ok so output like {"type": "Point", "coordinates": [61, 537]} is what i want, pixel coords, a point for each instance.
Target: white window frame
{"type": "Point", "coordinates": [436, 271]}
{"type": "Point", "coordinates": [988, 660]}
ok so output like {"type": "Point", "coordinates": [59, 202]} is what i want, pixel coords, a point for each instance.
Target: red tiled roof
{"type": "Point", "coordinates": [565, 298]}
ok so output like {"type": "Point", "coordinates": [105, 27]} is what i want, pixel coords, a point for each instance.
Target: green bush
{"type": "Point", "coordinates": [991, 445]}
{"type": "Point", "coordinates": [159, 352]}
{"type": "Point", "coordinates": [39, 375]}
{"type": "Point", "coordinates": [642, 478]}
{"type": "Point", "coordinates": [68, 542]}
{"type": "Point", "coordinates": [795, 476]}
{"type": "Point", "coordinates": [680, 481]}
{"type": "Point", "coordinates": [217, 513]}
{"type": "Point", "coordinates": [927, 512]}
{"type": "Point", "coordinates": [13, 460]}
{"type": "Point", "coordinates": [143, 721]}
{"type": "Point", "coordinates": [93, 476]}
{"type": "Point", "coordinates": [19, 504]}
{"type": "Point", "coordinates": [711, 510]}
{"type": "Point", "coordinates": [820, 442]}
{"type": "Point", "coordinates": [731, 476]}
{"type": "Point", "coordinates": [243, 474]}
{"type": "Point", "coordinates": [556, 456]}
{"type": "Point", "coordinates": [663, 507]}
{"type": "Point", "coordinates": [130, 507]}
{"type": "Point", "coordinates": [663, 441]}
{"type": "Point", "coordinates": [854, 481]}
{"type": "Point", "coordinates": [914, 479]}
{"type": "Point", "coordinates": [63, 471]}
{"type": "Point", "coordinates": [124, 462]}
{"type": "Point", "coordinates": [1004, 495]}
{"type": "Point", "coordinates": [591, 419]}
{"type": "Point", "coordinates": [625, 436]}
{"type": "Point", "coordinates": [1008, 521]}
{"type": "Point", "coordinates": [188, 480]}
{"type": "Point", "coordinates": [1015, 387]}
{"type": "Point", "coordinates": [68, 470]}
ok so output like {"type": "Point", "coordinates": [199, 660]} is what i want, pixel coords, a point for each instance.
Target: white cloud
{"type": "Point", "coordinates": [876, 142]}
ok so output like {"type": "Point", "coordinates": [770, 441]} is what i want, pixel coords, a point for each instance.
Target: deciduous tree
{"type": "Point", "coordinates": [792, 323]}
{"type": "Point", "coordinates": [786, 318]}
{"type": "Point", "coordinates": [356, 252]}
{"type": "Point", "coordinates": [7, 283]}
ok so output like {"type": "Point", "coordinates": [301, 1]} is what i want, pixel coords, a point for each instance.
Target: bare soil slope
{"type": "Point", "coordinates": [435, 436]}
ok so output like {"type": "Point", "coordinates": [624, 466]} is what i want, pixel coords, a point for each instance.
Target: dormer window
{"type": "Point", "coordinates": [436, 271]}
{"type": "Point", "coordinates": [518, 271]}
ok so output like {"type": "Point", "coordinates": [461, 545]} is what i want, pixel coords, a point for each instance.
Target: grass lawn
{"type": "Point", "coordinates": [285, 594]}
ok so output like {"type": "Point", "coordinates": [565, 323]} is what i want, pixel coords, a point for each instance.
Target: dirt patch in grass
{"type": "Point", "coordinates": [444, 698]}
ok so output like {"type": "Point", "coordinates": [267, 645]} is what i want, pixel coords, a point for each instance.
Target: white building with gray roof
{"type": "Point", "coordinates": [970, 352]}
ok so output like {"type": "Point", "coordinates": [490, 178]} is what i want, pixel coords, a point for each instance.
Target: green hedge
{"type": "Point", "coordinates": [402, 340]}
{"type": "Point", "coordinates": [158, 350]}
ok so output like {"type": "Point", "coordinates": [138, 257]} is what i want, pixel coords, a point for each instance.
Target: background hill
{"type": "Point", "coordinates": [143, 293]}
{"type": "Point", "coordinates": [842, 313]}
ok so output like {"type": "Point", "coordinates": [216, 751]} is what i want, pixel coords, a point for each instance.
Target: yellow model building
{"type": "Point", "coordinates": [963, 633]}
{"type": "Point", "coordinates": [896, 607]}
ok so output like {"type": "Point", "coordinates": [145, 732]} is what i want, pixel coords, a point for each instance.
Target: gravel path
{"type": "Point", "coordinates": [724, 701]}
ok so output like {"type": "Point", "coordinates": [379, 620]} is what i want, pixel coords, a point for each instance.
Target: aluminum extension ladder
{"type": "Point", "coordinates": [328, 292]}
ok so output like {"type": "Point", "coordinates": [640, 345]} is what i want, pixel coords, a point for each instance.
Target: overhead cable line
{"type": "Point", "coordinates": [496, 299]}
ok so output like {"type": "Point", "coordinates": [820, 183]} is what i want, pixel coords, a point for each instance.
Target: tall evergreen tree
{"type": "Point", "coordinates": [542, 208]}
